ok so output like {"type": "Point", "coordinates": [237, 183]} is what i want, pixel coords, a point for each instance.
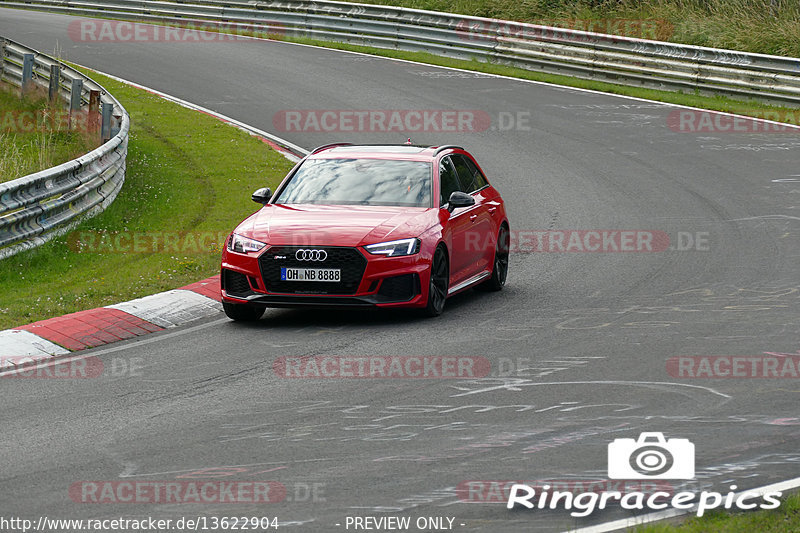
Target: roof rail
{"type": "Point", "coordinates": [446, 147]}
{"type": "Point", "coordinates": [331, 145]}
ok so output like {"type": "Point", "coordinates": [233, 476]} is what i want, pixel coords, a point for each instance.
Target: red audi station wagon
{"type": "Point", "coordinates": [369, 226]}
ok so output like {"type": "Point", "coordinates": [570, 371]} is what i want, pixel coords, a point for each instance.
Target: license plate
{"type": "Point", "coordinates": [311, 274]}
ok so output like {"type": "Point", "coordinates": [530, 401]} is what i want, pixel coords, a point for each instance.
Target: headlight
{"type": "Point", "coordinates": [394, 248]}
{"type": "Point", "coordinates": [240, 244]}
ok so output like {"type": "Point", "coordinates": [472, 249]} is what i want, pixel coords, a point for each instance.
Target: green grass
{"type": "Point", "coordinates": [33, 135]}
{"type": "Point", "coordinates": [761, 26]}
{"type": "Point", "coordinates": [187, 172]}
{"type": "Point", "coordinates": [785, 519]}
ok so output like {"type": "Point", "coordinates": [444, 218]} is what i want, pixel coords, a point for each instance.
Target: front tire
{"type": "Point", "coordinates": [500, 266]}
{"type": "Point", "coordinates": [439, 284]}
{"type": "Point", "coordinates": [242, 312]}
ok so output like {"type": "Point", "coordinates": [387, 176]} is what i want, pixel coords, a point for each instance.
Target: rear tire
{"type": "Point", "coordinates": [500, 265]}
{"type": "Point", "coordinates": [438, 285]}
{"type": "Point", "coordinates": [243, 312]}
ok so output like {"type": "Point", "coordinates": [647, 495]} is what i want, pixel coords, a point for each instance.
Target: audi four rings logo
{"type": "Point", "coordinates": [311, 255]}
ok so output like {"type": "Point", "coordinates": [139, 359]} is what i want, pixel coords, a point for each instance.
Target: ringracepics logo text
{"type": "Point", "coordinates": [649, 457]}
{"type": "Point", "coordinates": [586, 503]}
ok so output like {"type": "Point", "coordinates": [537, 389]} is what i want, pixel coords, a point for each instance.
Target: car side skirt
{"type": "Point", "coordinates": [474, 280]}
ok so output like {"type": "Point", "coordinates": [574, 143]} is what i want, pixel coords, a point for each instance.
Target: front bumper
{"type": "Point", "coordinates": [367, 280]}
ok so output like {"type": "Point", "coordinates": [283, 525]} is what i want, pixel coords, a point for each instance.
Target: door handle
{"type": "Point", "coordinates": [473, 217]}
{"type": "Point", "coordinates": [492, 210]}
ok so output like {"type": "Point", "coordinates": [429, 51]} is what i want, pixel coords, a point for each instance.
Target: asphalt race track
{"type": "Point", "coordinates": [578, 342]}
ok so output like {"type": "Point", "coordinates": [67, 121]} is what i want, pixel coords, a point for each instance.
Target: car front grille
{"type": "Point", "coordinates": [348, 260]}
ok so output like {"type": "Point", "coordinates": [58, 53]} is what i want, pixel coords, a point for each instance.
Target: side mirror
{"type": "Point", "coordinates": [262, 196]}
{"type": "Point", "coordinates": [459, 199]}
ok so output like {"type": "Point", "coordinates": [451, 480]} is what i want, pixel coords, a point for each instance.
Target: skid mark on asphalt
{"type": "Point", "coordinates": [517, 384]}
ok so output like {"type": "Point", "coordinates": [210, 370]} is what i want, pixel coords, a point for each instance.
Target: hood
{"type": "Point", "coordinates": [335, 225]}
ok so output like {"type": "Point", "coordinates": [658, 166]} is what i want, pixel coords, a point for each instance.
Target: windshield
{"type": "Point", "coordinates": [359, 182]}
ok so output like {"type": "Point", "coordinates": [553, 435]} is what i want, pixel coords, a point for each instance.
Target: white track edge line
{"type": "Point", "coordinates": [106, 349]}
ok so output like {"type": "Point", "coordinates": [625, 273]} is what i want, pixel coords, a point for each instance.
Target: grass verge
{"type": "Point", "coordinates": [189, 179]}
{"type": "Point", "coordinates": [785, 519]}
{"type": "Point", "coordinates": [34, 135]}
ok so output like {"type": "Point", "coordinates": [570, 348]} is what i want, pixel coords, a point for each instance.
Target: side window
{"type": "Point", "coordinates": [448, 182]}
{"type": "Point", "coordinates": [468, 174]}
{"type": "Point", "coordinates": [480, 179]}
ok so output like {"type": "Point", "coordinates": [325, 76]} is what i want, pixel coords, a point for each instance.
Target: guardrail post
{"type": "Point", "coordinates": [105, 128]}
{"type": "Point", "coordinates": [27, 72]}
{"type": "Point", "coordinates": [116, 123]}
{"type": "Point", "coordinates": [75, 100]}
{"type": "Point", "coordinates": [76, 96]}
{"type": "Point", "coordinates": [2, 59]}
{"type": "Point", "coordinates": [94, 111]}
{"type": "Point", "coordinates": [55, 82]}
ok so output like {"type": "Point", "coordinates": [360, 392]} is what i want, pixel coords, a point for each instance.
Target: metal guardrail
{"type": "Point", "coordinates": [37, 207]}
{"type": "Point", "coordinates": [576, 53]}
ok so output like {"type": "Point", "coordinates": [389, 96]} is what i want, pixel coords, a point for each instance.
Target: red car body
{"type": "Point", "coordinates": [472, 239]}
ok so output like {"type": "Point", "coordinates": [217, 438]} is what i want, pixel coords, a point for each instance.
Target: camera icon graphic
{"type": "Point", "coordinates": [651, 457]}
